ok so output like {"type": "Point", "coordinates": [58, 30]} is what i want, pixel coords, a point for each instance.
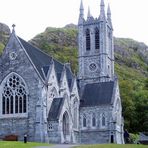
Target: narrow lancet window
{"type": "Point", "coordinates": [84, 121]}
{"type": "Point", "coordinates": [103, 120]}
{"type": "Point", "coordinates": [88, 39]}
{"type": "Point", "coordinates": [93, 120]}
{"type": "Point", "coordinates": [97, 39]}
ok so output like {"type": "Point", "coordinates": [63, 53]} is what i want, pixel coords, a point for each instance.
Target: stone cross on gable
{"type": "Point", "coordinates": [13, 26]}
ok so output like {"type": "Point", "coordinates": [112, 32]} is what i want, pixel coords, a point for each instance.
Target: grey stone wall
{"type": "Point", "coordinates": [99, 133]}
{"type": "Point", "coordinates": [54, 133]}
{"type": "Point", "coordinates": [14, 126]}
{"type": "Point", "coordinates": [93, 137]}
{"type": "Point", "coordinates": [24, 68]}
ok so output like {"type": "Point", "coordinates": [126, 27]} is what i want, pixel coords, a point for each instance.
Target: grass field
{"type": "Point", "coordinates": [7, 144]}
{"type": "Point", "coordinates": [113, 146]}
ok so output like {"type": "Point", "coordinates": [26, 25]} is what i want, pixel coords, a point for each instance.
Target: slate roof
{"type": "Point", "coordinates": [143, 136]}
{"type": "Point", "coordinates": [69, 76]}
{"type": "Point", "coordinates": [55, 109]}
{"type": "Point", "coordinates": [42, 62]}
{"type": "Point", "coordinates": [97, 94]}
{"type": "Point", "coordinates": [38, 58]}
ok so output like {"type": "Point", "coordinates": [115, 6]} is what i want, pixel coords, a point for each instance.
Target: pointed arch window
{"type": "Point", "coordinates": [97, 39]}
{"type": "Point", "coordinates": [14, 95]}
{"type": "Point", "coordinates": [93, 120]}
{"type": "Point", "coordinates": [103, 120]}
{"type": "Point", "coordinates": [66, 126]}
{"type": "Point", "coordinates": [84, 121]}
{"type": "Point", "coordinates": [88, 41]}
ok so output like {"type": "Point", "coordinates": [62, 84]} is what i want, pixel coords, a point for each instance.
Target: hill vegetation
{"type": "Point", "coordinates": [4, 34]}
{"type": "Point", "coordinates": [131, 66]}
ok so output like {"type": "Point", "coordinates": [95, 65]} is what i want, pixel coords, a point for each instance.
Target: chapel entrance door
{"type": "Point", "coordinates": [66, 131]}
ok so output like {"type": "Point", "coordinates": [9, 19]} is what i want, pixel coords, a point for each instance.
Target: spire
{"type": "Point", "coordinates": [108, 12]}
{"type": "Point", "coordinates": [109, 16]}
{"type": "Point", "coordinates": [81, 15]}
{"type": "Point", "coordinates": [102, 11]}
{"type": "Point", "coordinates": [81, 5]}
{"type": "Point", "coordinates": [81, 9]}
{"type": "Point", "coordinates": [102, 3]}
{"type": "Point", "coordinates": [88, 15]}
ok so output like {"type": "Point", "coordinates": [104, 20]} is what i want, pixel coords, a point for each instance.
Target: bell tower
{"type": "Point", "coordinates": [96, 52]}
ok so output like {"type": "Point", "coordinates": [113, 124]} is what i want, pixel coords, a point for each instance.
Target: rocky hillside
{"type": "Point", "coordinates": [131, 66]}
{"type": "Point", "coordinates": [4, 34]}
{"type": "Point", "coordinates": [62, 44]}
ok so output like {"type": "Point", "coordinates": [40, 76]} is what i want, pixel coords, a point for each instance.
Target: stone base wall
{"type": "Point", "coordinates": [76, 137]}
{"type": "Point", "coordinates": [93, 137]}
{"type": "Point", "coordinates": [17, 127]}
{"type": "Point", "coordinates": [54, 134]}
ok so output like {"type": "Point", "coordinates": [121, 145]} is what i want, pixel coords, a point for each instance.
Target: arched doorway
{"type": "Point", "coordinates": [66, 131]}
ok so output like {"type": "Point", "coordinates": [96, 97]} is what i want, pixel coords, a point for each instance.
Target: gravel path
{"type": "Point", "coordinates": [58, 146]}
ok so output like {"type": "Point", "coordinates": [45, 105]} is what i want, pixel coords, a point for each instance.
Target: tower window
{"type": "Point", "coordinates": [97, 38]}
{"type": "Point", "coordinates": [88, 39]}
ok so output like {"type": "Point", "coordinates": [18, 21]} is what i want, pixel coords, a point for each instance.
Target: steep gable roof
{"type": "Point", "coordinates": [42, 62]}
{"type": "Point", "coordinates": [70, 76]}
{"type": "Point", "coordinates": [38, 58]}
{"type": "Point", "coordinates": [97, 94]}
{"type": "Point", "coordinates": [55, 109]}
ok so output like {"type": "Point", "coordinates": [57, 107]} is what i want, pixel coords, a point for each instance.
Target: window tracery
{"type": "Point", "coordinates": [14, 96]}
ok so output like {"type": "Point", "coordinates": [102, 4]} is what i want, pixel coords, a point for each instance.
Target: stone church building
{"type": "Point", "coordinates": [41, 97]}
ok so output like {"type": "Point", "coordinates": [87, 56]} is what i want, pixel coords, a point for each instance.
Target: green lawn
{"type": "Point", "coordinates": [113, 146]}
{"type": "Point", "coordinates": [7, 144]}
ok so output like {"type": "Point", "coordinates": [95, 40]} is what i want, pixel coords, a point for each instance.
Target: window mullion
{"type": "Point", "coordinates": [13, 102]}
{"type": "Point", "coordinates": [22, 104]}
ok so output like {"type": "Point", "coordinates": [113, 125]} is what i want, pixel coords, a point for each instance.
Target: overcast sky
{"type": "Point", "coordinates": [129, 17]}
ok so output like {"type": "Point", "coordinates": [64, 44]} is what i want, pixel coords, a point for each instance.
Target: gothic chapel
{"type": "Point", "coordinates": [41, 97]}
